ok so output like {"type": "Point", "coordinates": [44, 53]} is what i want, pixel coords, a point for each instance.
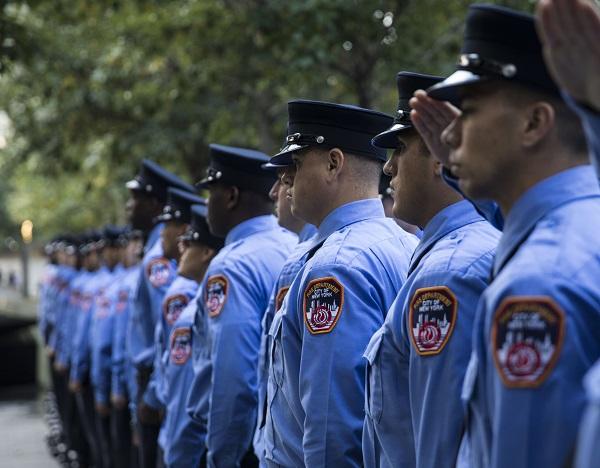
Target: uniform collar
{"type": "Point", "coordinates": [347, 214]}
{"type": "Point", "coordinates": [573, 184]}
{"type": "Point", "coordinates": [251, 226]}
{"type": "Point", "coordinates": [154, 236]}
{"type": "Point", "coordinates": [449, 219]}
{"type": "Point", "coordinates": [307, 232]}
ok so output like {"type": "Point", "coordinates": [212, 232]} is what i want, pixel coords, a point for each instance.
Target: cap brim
{"type": "Point", "coordinates": [448, 90]}
{"type": "Point", "coordinates": [284, 157]}
{"type": "Point", "coordinates": [203, 184]}
{"type": "Point", "coordinates": [133, 184]}
{"type": "Point", "coordinates": [389, 138]}
{"type": "Point", "coordinates": [269, 167]}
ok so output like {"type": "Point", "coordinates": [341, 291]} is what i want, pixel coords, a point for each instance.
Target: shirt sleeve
{"type": "Point", "coordinates": [340, 311]}
{"type": "Point", "coordinates": [487, 208]}
{"type": "Point", "coordinates": [441, 363]}
{"type": "Point", "coordinates": [561, 320]}
{"type": "Point", "coordinates": [590, 119]}
{"type": "Point", "coordinates": [233, 393]}
{"type": "Point", "coordinates": [118, 356]}
{"type": "Point", "coordinates": [80, 347]}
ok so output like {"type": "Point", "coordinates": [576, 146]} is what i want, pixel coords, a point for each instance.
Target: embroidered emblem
{"type": "Point", "coordinates": [280, 297]}
{"type": "Point", "coordinates": [431, 319]}
{"type": "Point", "coordinates": [527, 335]}
{"type": "Point", "coordinates": [181, 345]}
{"type": "Point", "coordinates": [86, 300]}
{"type": "Point", "coordinates": [102, 307]}
{"type": "Point", "coordinates": [216, 294]}
{"type": "Point", "coordinates": [323, 301]}
{"type": "Point", "coordinates": [173, 306]}
{"type": "Point", "coordinates": [122, 300]}
{"type": "Point", "coordinates": [159, 272]}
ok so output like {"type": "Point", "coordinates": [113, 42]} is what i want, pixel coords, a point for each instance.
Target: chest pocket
{"type": "Point", "coordinates": [276, 351]}
{"type": "Point", "coordinates": [373, 380]}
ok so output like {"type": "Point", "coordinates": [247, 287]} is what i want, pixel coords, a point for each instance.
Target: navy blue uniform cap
{"type": "Point", "coordinates": [499, 43]}
{"type": "Point", "coordinates": [153, 180]}
{"type": "Point", "coordinates": [178, 206]}
{"type": "Point", "coordinates": [328, 125]}
{"type": "Point", "coordinates": [114, 236]}
{"type": "Point", "coordinates": [408, 83]}
{"type": "Point", "coordinates": [199, 231]}
{"type": "Point", "coordinates": [89, 241]}
{"type": "Point", "coordinates": [240, 167]}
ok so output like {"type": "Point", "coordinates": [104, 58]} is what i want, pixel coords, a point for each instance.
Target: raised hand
{"type": "Point", "coordinates": [570, 33]}
{"type": "Point", "coordinates": [430, 118]}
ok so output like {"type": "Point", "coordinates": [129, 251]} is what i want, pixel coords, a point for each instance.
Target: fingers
{"type": "Point", "coordinates": [435, 113]}
{"type": "Point", "coordinates": [588, 18]}
{"type": "Point", "coordinates": [546, 23]}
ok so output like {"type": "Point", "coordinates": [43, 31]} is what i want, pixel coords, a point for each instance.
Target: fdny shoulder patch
{"type": "Point", "coordinates": [323, 301]}
{"type": "Point", "coordinates": [216, 294]}
{"type": "Point", "coordinates": [122, 300]}
{"type": "Point", "coordinates": [527, 336]}
{"type": "Point", "coordinates": [158, 272]}
{"type": "Point", "coordinates": [280, 297]}
{"type": "Point", "coordinates": [431, 319]}
{"type": "Point", "coordinates": [173, 306]}
{"type": "Point", "coordinates": [102, 307]}
{"type": "Point", "coordinates": [181, 345]}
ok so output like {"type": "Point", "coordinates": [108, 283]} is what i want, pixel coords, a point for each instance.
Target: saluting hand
{"type": "Point", "coordinates": [570, 33]}
{"type": "Point", "coordinates": [430, 118]}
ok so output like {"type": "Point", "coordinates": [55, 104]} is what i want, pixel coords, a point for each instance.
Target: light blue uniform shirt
{"type": "Point", "coordinates": [180, 292]}
{"type": "Point", "coordinates": [417, 360]}
{"type": "Point", "coordinates": [536, 330]}
{"type": "Point", "coordinates": [122, 376]}
{"type": "Point", "coordinates": [334, 305]}
{"type": "Point", "coordinates": [156, 275]}
{"type": "Point", "coordinates": [66, 314]}
{"type": "Point", "coordinates": [588, 448]}
{"type": "Point", "coordinates": [184, 438]}
{"type": "Point", "coordinates": [101, 334]}
{"type": "Point", "coordinates": [590, 121]}
{"type": "Point", "coordinates": [288, 272]}
{"type": "Point", "coordinates": [231, 303]}
{"type": "Point", "coordinates": [92, 292]}
{"type": "Point", "coordinates": [46, 296]}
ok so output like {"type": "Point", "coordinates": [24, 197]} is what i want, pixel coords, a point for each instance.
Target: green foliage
{"type": "Point", "coordinates": [93, 87]}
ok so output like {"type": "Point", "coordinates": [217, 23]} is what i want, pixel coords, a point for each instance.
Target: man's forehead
{"type": "Point", "coordinates": [479, 91]}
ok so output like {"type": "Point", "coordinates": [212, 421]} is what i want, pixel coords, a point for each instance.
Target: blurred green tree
{"type": "Point", "coordinates": [92, 87]}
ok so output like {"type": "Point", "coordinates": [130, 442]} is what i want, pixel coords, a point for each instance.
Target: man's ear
{"type": "Point", "coordinates": [438, 167]}
{"type": "Point", "coordinates": [232, 197]}
{"type": "Point", "coordinates": [539, 119]}
{"type": "Point", "coordinates": [155, 205]}
{"type": "Point", "coordinates": [335, 163]}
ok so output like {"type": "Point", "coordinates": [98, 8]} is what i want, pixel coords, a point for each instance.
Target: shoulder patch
{"type": "Point", "coordinates": [280, 297]}
{"type": "Point", "coordinates": [158, 271]}
{"type": "Point", "coordinates": [431, 319]}
{"type": "Point", "coordinates": [217, 288]}
{"type": "Point", "coordinates": [322, 305]}
{"type": "Point", "coordinates": [181, 345]}
{"type": "Point", "coordinates": [173, 306]}
{"type": "Point", "coordinates": [122, 300]}
{"type": "Point", "coordinates": [527, 336]}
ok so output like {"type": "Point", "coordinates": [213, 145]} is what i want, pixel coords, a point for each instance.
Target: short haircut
{"type": "Point", "coordinates": [568, 126]}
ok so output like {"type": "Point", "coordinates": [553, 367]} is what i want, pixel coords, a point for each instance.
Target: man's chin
{"type": "Point", "coordinates": [471, 190]}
